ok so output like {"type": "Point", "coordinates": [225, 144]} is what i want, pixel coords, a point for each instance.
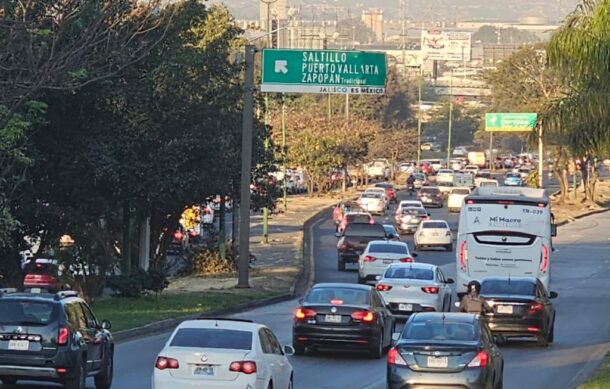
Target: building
{"type": "Point", "coordinates": [373, 19]}
{"type": "Point", "coordinates": [274, 10]}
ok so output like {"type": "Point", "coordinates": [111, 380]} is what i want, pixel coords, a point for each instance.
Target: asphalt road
{"type": "Point", "coordinates": [581, 268]}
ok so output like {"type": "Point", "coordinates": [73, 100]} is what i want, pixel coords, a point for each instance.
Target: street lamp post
{"type": "Point", "coordinates": [450, 116]}
{"type": "Point", "coordinates": [419, 115]}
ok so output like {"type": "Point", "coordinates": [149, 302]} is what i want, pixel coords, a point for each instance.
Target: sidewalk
{"type": "Point", "coordinates": [279, 261]}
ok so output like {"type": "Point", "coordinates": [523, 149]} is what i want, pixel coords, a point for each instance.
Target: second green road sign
{"type": "Point", "coordinates": [324, 71]}
{"type": "Point", "coordinates": [510, 122]}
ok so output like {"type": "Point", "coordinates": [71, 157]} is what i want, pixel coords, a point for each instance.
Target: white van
{"type": "Point", "coordinates": [504, 231]}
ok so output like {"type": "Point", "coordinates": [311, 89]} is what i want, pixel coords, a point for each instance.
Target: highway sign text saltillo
{"type": "Point", "coordinates": [323, 71]}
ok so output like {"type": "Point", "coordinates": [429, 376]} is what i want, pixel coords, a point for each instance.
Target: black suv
{"type": "Point", "coordinates": [53, 337]}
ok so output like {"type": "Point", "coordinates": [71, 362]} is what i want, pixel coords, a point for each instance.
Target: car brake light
{"type": "Point", "coordinates": [383, 287]}
{"type": "Point", "coordinates": [369, 258]}
{"type": "Point", "coordinates": [463, 255]}
{"type": "Point", "coordinates": [535, 308]}
{"type": "Point", "coordinates": [246, 367]}
{"type": "Point", "coordinates": [394, 358]}
{"type": "Point", "coordinates": [372, 221]}
{"type": "Point", "coordinates": [63, 335]}
{"type": "Point", "coordinates": [336, 302]}
{"type": "Point", "coordinates": [430, 289]}
{"type": "Point", "coordinates": [343, 246]}
{"type": "Point", "coordinates": [163, 363]}
{"type": "Point", "coordinates": [304, 313]}
{"type": "Point", "coordinates": [544, 259]}
{"type": "Point", "coordinates": [470, 202]}
{"type": "Point", "coordinates": [533, 329]}
{"type": "Point", "coordinates": [366, 317]}
{"type": "Point", "coordinates": [406, 259]}
{"type": "Point", "coordinates": [480, 360]}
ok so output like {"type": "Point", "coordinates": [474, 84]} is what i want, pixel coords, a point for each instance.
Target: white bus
{"type": "Point", "coordinates": [504, 231]}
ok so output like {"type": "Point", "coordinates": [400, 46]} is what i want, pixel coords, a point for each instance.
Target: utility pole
{"type": "Point", "coordinates": [246, 166]}
{"type": "Point", "coordinates": [126, 246]}
{"type": "Point", "coordinates": [450, 116]}
{"type": "Point", "coordinates": [541, 159]}
{"type": "Point", "coordinates": [284, 153]}
{"type": "Point", "coordinates": [419, 115]}
{"type": "Point", "coordinates": [266, 184]}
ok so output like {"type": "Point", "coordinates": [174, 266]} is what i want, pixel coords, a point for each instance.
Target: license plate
{"type": "Point", "coordinates": [505, 309]}
{"type": "Point", "coordinates": [204, 371]}
{"type": "Point", "coordinates": [438, 361]}
{"type": "Point", "coordinates": [405, 307]}
{"type": "Point", "coordinates": [386, 261]}
{"type": "Point", "coordinates": [18, 345]}
{"type": "Point", "coordinates": [35, 290]}
{"type": "Point", "coordinates": [333, 318]}
{"type": "Point", "coordinates": [435, 234]}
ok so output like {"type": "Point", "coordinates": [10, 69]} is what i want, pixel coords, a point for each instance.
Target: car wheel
{"type": "Point", "coordinates": [80, 378]}
{"type": "Point", "coordinates": [104, 379]}
{"type": "Point", "coordinates": [270, 386]}
{"type": "Point", "coordinates": [449, 247]}
{"type": "Point", "coordinates": [543, 341]}
{"type": "Point", "coordinates": [551, 337]}
{"type": "Point", "coordinates": [291, 383]}
{"type": "Point", "coordinates": [8, 380]}
{"type": "Point", "coordinates": [340, 264]}
{"type": "Point", "coordinates": [376, 350]}
{"type": "Point", "coordinates": [299, 348]}
{"type": "Point", "coordinates": [500, 384]}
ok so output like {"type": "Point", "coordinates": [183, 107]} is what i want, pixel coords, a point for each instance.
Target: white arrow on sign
{"type": "Point", "coordinates": [281, 66]}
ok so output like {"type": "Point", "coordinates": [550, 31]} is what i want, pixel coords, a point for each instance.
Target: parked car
{"type": "Point", "coordinates": [439, 349]}
{"type": "Point", "coordinates": [222, 353]}
{"type": "Point", "coordinates": [433, 233]}
{"type": "Point", "coordinates": [378, 255]}
{"type": "Point", "coordinates": [456, 198]}
{"type": "Point", "coordinates": [342, 316]}
{"type": "Point", "coordinates": [417, 287]}
{"type": "Point", "coordinates": [430, 196]}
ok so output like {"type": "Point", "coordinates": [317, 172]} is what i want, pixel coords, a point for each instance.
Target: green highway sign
{"type": "Point", "coordinates": [323, 71]}
{"type": "Point", "coordinates": [510, 122]}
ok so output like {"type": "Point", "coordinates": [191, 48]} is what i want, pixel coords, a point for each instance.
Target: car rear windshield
{"type": "Point", "coordinates": [358, 218]}
{"type": "Point", "coordinates": [213, 338]}
{"type": "Point", "coordinates": [430, 190]}
{"type": "Point", "coordinates": [26, 312]}
{"type": "Point", "coordinates": [460, 191]}
{"type": "Point", "coordinates": [371, 195]}
{"type": "Point", "coordinates": [41, 268]}
{"type": "Point", "coordinates": [384, 186]}
{"type": "Point", "coordinates": [409, 273]}
{"type": "Point", "coordinates": [388, 248]}
{"type": "Point", "coordinates": [364, 229]}
{"type": "Point", "coordinates": [414, 211]}
{"type": "Point", "coordinates": [434, 225]}
{"type": "Point", "coordinates": [349, 296]}
{"type": "Point", "coordinates": [500, 287]}
{"type": "Point", "coordinates": [440, 331]}
{"type": "Point", "coordinates": [419, 176]}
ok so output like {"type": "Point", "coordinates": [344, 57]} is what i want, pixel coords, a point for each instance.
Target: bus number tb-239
{"type": "Point", "coordinates": [532, 211]}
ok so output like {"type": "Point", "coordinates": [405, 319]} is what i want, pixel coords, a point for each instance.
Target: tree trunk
{"type": "Point", "coordinates": [560, 176]}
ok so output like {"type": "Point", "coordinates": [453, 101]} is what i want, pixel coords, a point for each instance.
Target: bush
{"type": "Point", "coordinates": [208, 261]}
{"type": "Point", "coordinates": [139, 283]}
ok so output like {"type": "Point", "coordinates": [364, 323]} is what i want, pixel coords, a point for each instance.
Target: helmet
{"type": "Point", "coordinates": [474, 286]}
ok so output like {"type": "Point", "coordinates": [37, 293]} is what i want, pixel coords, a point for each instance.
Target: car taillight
{"type": "Point", "coordinates": [366, 317]}
{"type": "Point", "coordinates": [430, 289]}
{"type": "Point", "coordinates": [535, 308]}
{"type": "Point", "coordinates": [246, 367]}
{"type": "Point", "coordinates": [63, 335]}
{"type": "Point", "coordinates": [343, 246]}
{"type": "Point", "coordinates": [383, 287]}
{"type": "Point", "coordinates": [304, 313]}
{"type": "Point", "coordinates": [369, 258]}
{"type": "Point", "coordinates": [463, 255]}
{"type": "Point", "coordinates": [406, 259]}
{"type": "Point", "coordinates": [479, 360]}
{"type": "Point", "coordinates": [336, 302]}
{"type": "Point", "coordinates": [163, 363]}
{"type": "Point", "coordinates": [544, 259]}
{"type": "Point", "coordinates": [394, 358]}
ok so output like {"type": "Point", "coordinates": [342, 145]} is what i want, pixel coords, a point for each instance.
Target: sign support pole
{"type": "Point", "coordinates": [540, 158]}
{"type": "Point", "coordinates": [450, 116]}
{"type": "Point", "coordinates": [266, 208]}
{"type": "Point", "coordinates": [419, 116]}
{"type": "Point", "coordinates": [246, 166]}
{"type": "Point", "coordinates": [492, 165]}
{"type": "Point", "coordinates": [329, 106]}
{"type": "Point", "coordinates": [347, 106]}
{"type": "Point", "coordinates": [284, 152]}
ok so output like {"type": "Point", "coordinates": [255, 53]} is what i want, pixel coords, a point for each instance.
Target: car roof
{"type": "Point", "coordinates": [342, 285]}
{"type": "Point", "coordinates": [443, 316]}
{"type": "Point", "coordinates": [429, 187]}
{"type": "Point", "coordinates": [388, 226]}
{"type": "Point", "coordinates": [226, 324]}
{"type": "Point", "coordinates": [357, 213]}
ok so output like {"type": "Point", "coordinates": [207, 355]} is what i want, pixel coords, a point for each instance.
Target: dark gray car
{"type": "Point", "coordinates": [445, 350]}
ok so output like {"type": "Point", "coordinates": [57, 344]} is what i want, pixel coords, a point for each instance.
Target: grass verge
{"type": "Point", "coordinates": [601, 379]}
{"type": "Point", "coordinates": [127, 313]}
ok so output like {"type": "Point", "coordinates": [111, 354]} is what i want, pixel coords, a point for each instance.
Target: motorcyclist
{"type": "Point", "coordinates": [473, 302]}
{"type": "Point", "coordinates": [411, 184]}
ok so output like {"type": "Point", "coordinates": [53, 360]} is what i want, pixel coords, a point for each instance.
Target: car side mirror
{"type": "Point", "coordinates": [288, 350]}
{"type": "Point", "coordinates": [553, 295]}
{"type": "Point", "coordinates": [377, 278]}
{"type": "Point", "coordinates": [338, 235]}
{"type": "Point", "coordinates": [449, 281]}
{"type": "Point", "coordinates": [106, 325]}
{"type": "Point", "coordinates": [553, 230]}
{"type": "Point", "coordinates": [414, 255]}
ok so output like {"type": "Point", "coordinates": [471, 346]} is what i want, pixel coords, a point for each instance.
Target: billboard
{"type": "Point", "coordinates": [446, 45]}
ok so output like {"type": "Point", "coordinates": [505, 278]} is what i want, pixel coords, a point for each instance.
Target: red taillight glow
{"type": "Point", "coordinates": [61, 370]}
{"type": "Point", "coordinates": [430, 289]}
{"type": "Point", "coordinates": [336, 302]}
{"type": "Point", "coordinates": [343, 246]}
{"type": "Point", "coordinates": [544, 259]}
{"type": "Point", "coordinates": [535, 308]}
{"type": "Point", "coordinates": [533, 329]}
{"type": "Point", "coordinates": [394, 358]}
{"type": "Point", "coordinates": [246, 367]}
{"type": "Point", "coordinates": [463, 255]}
{"type": "Point", "coordinates": [406, 259]}
{"type": "Point", "coordinates": [369, 258]}
{"type": "Point", "coordinates": [63, 335]}
{"type": "Point", "coordinates": [163, 363]}
{"type": "Point", "coordinates": [383, 287]}
{"type": "Point", "coordinates": [364, 316]}
{"type": "Point", "coordinates": [470, 202]}
{"type": "Point", "coordinates": [304, 313]}
{"type": "Point", "coordinates": [480, 360]}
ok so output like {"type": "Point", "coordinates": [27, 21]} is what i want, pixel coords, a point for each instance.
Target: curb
{"type": "Point", "coordinates": [582, 215]}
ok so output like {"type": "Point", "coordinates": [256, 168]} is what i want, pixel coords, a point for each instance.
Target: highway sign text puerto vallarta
{"type": "Point", "coordinates": [323, 71]}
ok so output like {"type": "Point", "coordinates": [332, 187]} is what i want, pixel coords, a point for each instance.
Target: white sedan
{"type": "Point", "coordinates": [372, 202]}
{"type": "Point", "coordinates": [417, 287]}
{"type": "Point", "coordinates": [222, 353]}
{"type": "Point", "coordinates": [378, 255]}
{"type": "Point", "coordinates": [456, 198]}
{"type": "Point", "coordinates": [433, 233]}
{"type": "Point", "coordinates": [408, 204]}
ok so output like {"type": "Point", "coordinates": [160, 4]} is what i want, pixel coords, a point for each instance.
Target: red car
{"type": "Point", "coordinates": [390, 191]}
{"type": "Point", "coordinates": [42, 274]}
